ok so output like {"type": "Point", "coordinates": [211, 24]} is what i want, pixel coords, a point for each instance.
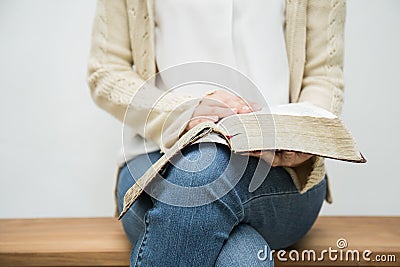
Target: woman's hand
{"type": "Point", "coordinates": [283, 158]}
{"type": "Point", "coordinates": [218, 105]}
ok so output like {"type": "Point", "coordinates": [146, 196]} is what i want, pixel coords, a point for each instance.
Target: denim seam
{"type": "Point", "coordinates": [239, 214]}
{"type": "Point", "coordinates": [283, 193]}
{"type": "Point", "coordinates": [270, 195]}
{"type": "Point", "coordinates": [143, 242]}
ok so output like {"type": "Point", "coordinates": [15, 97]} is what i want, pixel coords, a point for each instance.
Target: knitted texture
{"type": "Point", "coordinates": [123, 37]}
{"type": "Point", "coordinates": [323, 82]}
{"type": "Point", "coordinates": [116, 87]}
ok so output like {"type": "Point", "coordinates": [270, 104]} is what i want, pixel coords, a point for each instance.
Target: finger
{"type": "Point", "coordinates": [244, 106]}
{"type": "Point", "coordinates": [233, 103]}
{"type": "Point", "coordinates": [256, 153]}
{"type": "Point", "coordinates": [195, 121]}
{"type": "Point", "coordinates": [294, 159]}
{"type": "Point", "coordinates": [245, 109]}
{"type": "Point", "coordinates": [249, 107]}
{"type": "Point", "coordinates": [255, 106]}
{"type": "Point", "coordinates": [288, 158]}
{"type": "Point", "coordinates": [241, 106]}
{"type": "Point", "coordinates": [226, 99]}
{"type": "Point", "coordinates": [277, 161]}
{"type": "Point", "coordinates": [269, 157]}
{"type": "Point", "coordinates": [218, 111]}
{"type": "Point", "coordinates": [288, 155]}
{"type": "Point", "coordinates": [304, 156]}
{"type": "Point", "coordinates": [212, 118]}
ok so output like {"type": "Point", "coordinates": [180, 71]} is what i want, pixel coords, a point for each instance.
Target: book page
{"type": "Point", "coordinates": [301, 109]}
{"type": "Point", "coordinates": [292, 109]}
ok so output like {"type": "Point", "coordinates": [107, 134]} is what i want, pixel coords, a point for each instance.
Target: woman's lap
{"type": "Point", "coordinates": [275, 210]}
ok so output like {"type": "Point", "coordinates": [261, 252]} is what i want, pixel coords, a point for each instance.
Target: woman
{"type": "Point", "coordinates": [292, 50]}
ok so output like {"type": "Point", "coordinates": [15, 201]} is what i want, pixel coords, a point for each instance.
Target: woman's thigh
{"type": "Point", "coordinates": [181, 235]}
{"type": "Point", "coordinates": [133, 220]}
{"type": "Point", "coordinates": [278, 211]}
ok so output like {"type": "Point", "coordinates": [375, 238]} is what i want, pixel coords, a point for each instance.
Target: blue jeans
{"type": "Point", "coordinates": [229, 231]}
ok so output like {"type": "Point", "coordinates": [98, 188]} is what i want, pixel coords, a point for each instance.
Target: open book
{"type": "Point", "coordinates": [299, 127]}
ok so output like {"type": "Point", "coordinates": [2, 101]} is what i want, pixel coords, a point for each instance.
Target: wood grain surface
{"type": "Point", "coordinates": [102, 242]}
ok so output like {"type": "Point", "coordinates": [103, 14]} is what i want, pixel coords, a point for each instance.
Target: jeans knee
{"type": "Point", "coordinates": [198, 164]}
{"type": "Point", "coordinates": [194, 223]}
{"type": "Point", "coordinates": [201, 174]}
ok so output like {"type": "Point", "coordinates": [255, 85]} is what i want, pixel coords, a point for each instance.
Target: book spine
{"type": "Point", "coordinates": [188, 138]}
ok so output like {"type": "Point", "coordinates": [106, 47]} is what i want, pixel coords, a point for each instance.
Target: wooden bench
{"type": "Point", "coordinates": [101, 242]}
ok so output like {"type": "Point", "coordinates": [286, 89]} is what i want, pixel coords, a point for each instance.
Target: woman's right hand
{"type": "Point", "coordinates": [220, 104]}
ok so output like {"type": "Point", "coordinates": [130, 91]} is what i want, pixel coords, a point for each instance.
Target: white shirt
{"type": "Point", "coordinates": [246, 35]}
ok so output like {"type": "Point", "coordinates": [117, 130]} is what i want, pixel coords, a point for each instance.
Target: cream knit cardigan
{"type": "Point", "coordinates": [123, 37]}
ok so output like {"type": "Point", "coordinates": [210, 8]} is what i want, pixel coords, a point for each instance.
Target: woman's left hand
{"type": "Point", "coordinates": [283, 158]}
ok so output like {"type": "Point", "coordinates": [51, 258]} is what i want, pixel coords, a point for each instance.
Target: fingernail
{"type": "Point", "coordinates": [214, 118]}
{"type": "Point", "coordinates": [235, 110]}
{"type": "Point", "coordinates": [256, 106]}
{"type": "Point", "coordinates": [245, 108]}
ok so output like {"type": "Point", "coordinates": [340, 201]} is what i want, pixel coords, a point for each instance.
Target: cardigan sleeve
{"type": "Point", "coordinates": [323, 81]}
{"type": "Point", "coordinates": [118, 89]}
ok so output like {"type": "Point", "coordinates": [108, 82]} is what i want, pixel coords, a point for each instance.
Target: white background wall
{"type": "Point", "coordinates": [58, 150]}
